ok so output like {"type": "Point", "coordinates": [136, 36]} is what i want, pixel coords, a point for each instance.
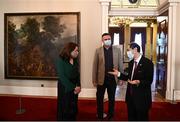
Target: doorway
{"type": "Point", "coordinates": [162, 47]}
{"type": "Point", "coordinates": [152, 37]}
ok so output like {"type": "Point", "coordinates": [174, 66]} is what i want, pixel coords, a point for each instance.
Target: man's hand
{"type": "Point", "coordinates": [94, 84]}
{"type": "Point", "coordinates": [134, 81]}
{"type": "Point", "coordinates": [115, 72]}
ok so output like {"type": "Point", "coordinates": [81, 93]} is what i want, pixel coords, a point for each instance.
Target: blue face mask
{"type": "Point", "coordinates": [130, 55]}
{"type": "Point", "coordinates": [107, 42]}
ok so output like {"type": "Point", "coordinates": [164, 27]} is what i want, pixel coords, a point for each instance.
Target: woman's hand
{"type": "Point", "coordinates": [77, 90]}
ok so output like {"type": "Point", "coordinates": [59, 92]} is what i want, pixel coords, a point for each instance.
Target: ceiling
{"type": "Point", "coordinates": [116, 20]}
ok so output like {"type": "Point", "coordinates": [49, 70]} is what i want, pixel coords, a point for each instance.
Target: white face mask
{"type": "Point", "coordinates": [107, 42]}
{"type": "Point", "coordinates": [130, 55]}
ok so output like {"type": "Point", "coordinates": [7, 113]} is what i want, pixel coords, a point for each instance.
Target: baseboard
{"type": "Point", "coordinates": [175, 97]}
{"type": "Point", "coordinates": [44, 91]}
{"type": "Point", "coordinates": [32, 91]}
{"type": "Point", "coordinates": [87, 92]}
{"type": "Point", "coordinates": [52, 92]}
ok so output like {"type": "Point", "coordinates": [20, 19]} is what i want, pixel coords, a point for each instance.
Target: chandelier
{"type": "Point", "coordinates": [122, 21]}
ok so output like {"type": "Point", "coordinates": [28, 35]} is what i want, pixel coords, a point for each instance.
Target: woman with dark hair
{"type": "Point", "coordinates": [68, 82]}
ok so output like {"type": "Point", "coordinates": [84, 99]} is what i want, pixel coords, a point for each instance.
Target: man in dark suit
{"type": "Point", "coordinates": [140, 77]}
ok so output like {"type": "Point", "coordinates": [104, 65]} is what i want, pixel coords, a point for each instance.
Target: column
{"type": "Point", "coordinates": [154, 45]}
{"type": "Point", "coordinates": [171, 49]}
{"type": "Point", "coordinates": [148, 48]}
{"type": "Point", "coordinates": [105, 10]}
{"type": "Point", "coordinates": [127, 36]}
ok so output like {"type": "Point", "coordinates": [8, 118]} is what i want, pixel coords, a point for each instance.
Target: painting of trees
{"type": "Point", "coordinates": [33, 42]}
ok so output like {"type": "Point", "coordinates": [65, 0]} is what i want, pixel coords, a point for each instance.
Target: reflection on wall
{"type": "Point", "coordinates": [161, 50]}
{"type": "Point", "coordinates": [162, 46]}
{"type": "Point", "coordinates": [162, 40]}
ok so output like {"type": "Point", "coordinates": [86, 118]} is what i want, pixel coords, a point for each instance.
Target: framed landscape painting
{"type": "Point", "coordinates": [33, 42]}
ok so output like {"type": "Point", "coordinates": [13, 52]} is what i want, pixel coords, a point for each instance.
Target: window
{"type": "Point", "coordinates": [138, 40]}
{"type": "Point", "coordinates": [116, 39]}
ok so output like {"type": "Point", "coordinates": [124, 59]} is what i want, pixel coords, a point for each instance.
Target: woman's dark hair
{"type": "Point", "coordinates": [135, 45]}
{"type": "Point", "coordinates": [67, 49]}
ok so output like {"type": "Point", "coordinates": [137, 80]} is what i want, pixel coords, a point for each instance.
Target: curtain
{"type": "Point", "coordinates": [117, 30]}
{"type": "Point", "coordinates": [139, 30]}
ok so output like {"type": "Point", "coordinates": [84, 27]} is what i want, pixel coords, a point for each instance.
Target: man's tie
{"type": "Point", "coordinates": [135, 66]}
{"type": "Point", "coordinates": [132, 75]}
{"type": "Point", "coordinates": [134, 69]}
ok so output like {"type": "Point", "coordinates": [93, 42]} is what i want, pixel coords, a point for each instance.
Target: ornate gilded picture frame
{"type": "Point", "coordinates": [33, 42]}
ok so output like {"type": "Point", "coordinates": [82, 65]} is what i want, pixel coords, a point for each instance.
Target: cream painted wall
{"type": "Point", "coordinates": [90, 33]}
{"type": "Point", "coordinates": [162, 1]}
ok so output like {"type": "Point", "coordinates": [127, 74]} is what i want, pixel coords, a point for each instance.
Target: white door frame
{"type": "Point", "coordinates": [170, 5]}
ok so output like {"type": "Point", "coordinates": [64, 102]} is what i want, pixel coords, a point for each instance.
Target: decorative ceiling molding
{"type": "Point", "coordinates": [102, 1]}
{"type": "Point", "coordinates": [123, 21]}
{"type": "Point", "coordinates": [174, 1]}
{"type": "Point", "coordinates": [133, 12]}
{"type": "Point", "coordinates": [134, 3]}
{"type": "Point", "coordinates": [163, 8]}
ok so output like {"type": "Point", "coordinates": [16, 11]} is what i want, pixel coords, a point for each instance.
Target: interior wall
{"type": "Point", "coordinates": [90, 33]}
{"type": "Point", "coordinates": [162, 1]}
